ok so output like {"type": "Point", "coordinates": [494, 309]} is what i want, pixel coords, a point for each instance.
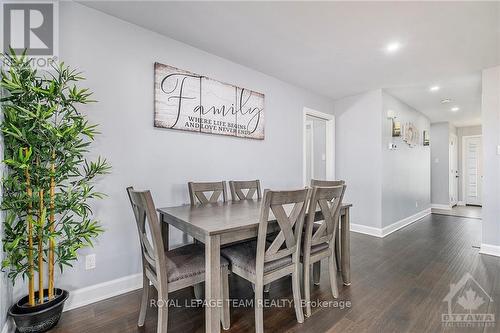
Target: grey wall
{"type": "Point", "coordinates": [358, 154]}
{"type": "Point", "coordinates": [406, 177]}
{"type": "Point", "coordinates": [440, 156]}
{"type": "Point", "coordinates": [117, 59]}
{"type": "Point", "coordinates": [461, 132]}
{"type": "Point", "coordinates": [491, 140]}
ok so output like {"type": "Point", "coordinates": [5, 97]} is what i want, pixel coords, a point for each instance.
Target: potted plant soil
{"type": "Point", "coordinates": [47, 183]}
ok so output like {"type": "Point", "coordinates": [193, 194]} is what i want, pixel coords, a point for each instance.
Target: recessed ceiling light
{"type": "Point", "coordinates": [434, 88]}
{"type": "Point", "coordinates": [455, 108]}
{"type": "Point", "coordinates": [393, 47]}
{"type": "Point", "coordinates": [446, 100]}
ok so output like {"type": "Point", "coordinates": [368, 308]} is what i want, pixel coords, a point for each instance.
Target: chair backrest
{"type": "Point", "coordinates": [198, 191]}
{"type": "Point", "coordinates": [237, 188]}
{"type": "Point", "coordinates": [326, 183]}
{"type": "Point", "coordinates": [287, 241]}
{"type": "Point", "coordinates": [329, 201]}
{"type": "Point", "coordinates": [153, 253]}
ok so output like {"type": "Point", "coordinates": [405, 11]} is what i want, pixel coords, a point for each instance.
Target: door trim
{"type": "Point", "coordinates": [464, 166]}
{"type": "Point", "coordinates": [452, 178]}
{"type": "Point", "coordinates": [330, 142]}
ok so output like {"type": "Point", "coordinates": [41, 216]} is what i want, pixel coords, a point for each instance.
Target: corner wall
{"type": "Point", "coordinates": [406, 175]}
{"type": "Point", "coordinates": [358, 156]}
{"type": "Point", "coordinates": [491, 141]}
{"type": "Point", "coordinates": [440, 161]}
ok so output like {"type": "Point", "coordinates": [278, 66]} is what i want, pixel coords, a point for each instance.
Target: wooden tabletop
{"type": "Point", "coordinates": [221, 217]}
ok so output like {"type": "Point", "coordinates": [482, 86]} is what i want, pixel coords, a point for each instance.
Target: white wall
{"type": "Point", "coordinates": [117, 59]}
{"type": "Point", "coordinates": [491, 139]}
{"type": "Point", "coordinates": [358, 155]}
{"type": "Point", "coordinates": [406, 177]}
{"type": "Point", "coordinates": [461, 132]}
{"type": "Point", "coordinates": [440, 156]}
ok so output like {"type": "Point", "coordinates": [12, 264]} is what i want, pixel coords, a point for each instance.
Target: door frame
{"type": "Point", "coordinates": [311, 165]}
{"type": "Point", "coordinates": [330, 142]}
{"type": "Point", "coordinates": [452, 178]}
{"type": "Point", "coordinates": [464, 164]}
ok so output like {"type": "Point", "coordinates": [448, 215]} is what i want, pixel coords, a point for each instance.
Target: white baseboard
{"type": "Point", "coordinates": [9, 326]}
{"type": "Point", "coordinates": [382, 232]}
{"type": "Point", "coordinates": [461, 203]}
{"type": "Point", "coordinates": [363, 229]}
{"type": "Point", "coordinates": [492, 250]}
{"type": "Point", "coordinates": [404, 222]}
{"type": "Point", "coordinates": [439, 206]}
{"type": "Point", "coordinates": [101, 291]}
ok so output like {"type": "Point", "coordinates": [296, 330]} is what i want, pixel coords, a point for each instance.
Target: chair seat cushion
{"type": "Point", "coordinates": [187, 261]}
{"type": "Point", "coordinates": [243, 256]}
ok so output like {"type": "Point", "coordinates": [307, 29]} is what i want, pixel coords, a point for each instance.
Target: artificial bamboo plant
{"type": "Point", "coordinates": [48, 181]}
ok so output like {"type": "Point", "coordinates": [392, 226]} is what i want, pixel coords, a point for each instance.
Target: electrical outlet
{"type": "Point", "coordinates": [90, 261]}
{"type": "Point", "coordinates": [498, 150]}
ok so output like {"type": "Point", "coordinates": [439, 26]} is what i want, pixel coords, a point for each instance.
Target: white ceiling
{"type": "Point", "coordinates": [337, 48]}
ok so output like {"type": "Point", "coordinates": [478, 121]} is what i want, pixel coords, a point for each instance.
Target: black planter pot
{"type": "Point", "coordinates": [39, 318]}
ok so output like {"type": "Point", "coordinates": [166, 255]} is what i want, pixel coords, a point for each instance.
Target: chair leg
{"type": "Point", "coordinates": [307, 288]}
{"type": "Point", "coordinates": [163, 316]}
{"type": "Point", "coordinates": [259, 307]}
{"type": "Point", "coordinates": [296, 295]}
{"type": "Point", "coordinates": [267, 287]}
{"type": "Point", "coordinates": [337, 248]}
{"type": "Point", "coordinates": [199, 291]}
{"type": "Point", "coordinates": [316, 272]}
{"type": "Point", "coordinates": [144, 301]}
{"type": "Point", "coordinates": [332, 271]}
{"type": "Point", "coordinates": [225, 315]}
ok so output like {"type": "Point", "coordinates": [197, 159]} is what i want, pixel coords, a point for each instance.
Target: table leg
{"type": "Point", "coordinates": [164, 232]}
{"type": "Point", "coordinates": [337, 247]}
{"type": "Point", "coordinates": [212, 284]}
{"type": "Point", "coordinates": [345, 244]}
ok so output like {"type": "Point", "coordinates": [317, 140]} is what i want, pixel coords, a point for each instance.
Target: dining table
{"type": "Point", "coordinates": [222, 223]}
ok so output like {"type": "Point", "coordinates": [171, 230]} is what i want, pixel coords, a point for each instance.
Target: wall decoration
{"type": "Point", "coordinates": [410, 134]}
{"type": "Point", "coordinates": [426, 138]}
{"type": "Point", "coordinates": [396, 128]}
{"type": "Point", "coordinates": [193, 102]}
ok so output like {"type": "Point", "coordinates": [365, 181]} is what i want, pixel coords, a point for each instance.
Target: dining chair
{"type": "Point", "coordinates": [319, 240]}
{"type": "Point", "coordinates": [262, 262]}
{"type": "Point", "coordinates": [171, 270]}
{"type": "Point", "coordinates": [237, 188]}
{"type": "Point", "coordinates": [198, 192]}
{"type": "Point", "coordinates": [317, 265]}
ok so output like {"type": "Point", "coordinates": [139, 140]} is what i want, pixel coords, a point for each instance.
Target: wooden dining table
{"type": "Point", "coordinates": [223, 223]}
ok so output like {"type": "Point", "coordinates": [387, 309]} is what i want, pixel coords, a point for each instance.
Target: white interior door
{"type": "Point", "coordinates": [453, 170]}
{"type": "Point", "coordinates": [319, 146]}
{"type": "Point", "coordinates": [473, 170]}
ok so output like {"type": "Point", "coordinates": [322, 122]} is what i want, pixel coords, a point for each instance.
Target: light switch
{"type": "Point", "coordinates": [436, 160]}
{"type": "Point", "coordinates": [323, 157]}
{"type": "Point", "coordinates": [498, 150]}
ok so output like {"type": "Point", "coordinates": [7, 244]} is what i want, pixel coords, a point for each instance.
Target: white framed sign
{"type": "Point", "coordinates": [193, 102]}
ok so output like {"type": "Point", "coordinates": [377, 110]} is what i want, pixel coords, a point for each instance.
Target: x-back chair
{"type": "Point", "coordinates": [262, 262]}
{"type": "Point", "coordinates": [252, 187]}
{"type": "Point", "coordinates": [319, 240]}
{"type": "Point", "coordinates": [172, 270]}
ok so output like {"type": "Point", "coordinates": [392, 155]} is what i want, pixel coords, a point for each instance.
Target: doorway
{"type": "Point", "coordinates": [318, 146]}
{"type": "Point", "coordinates": [472, 170]}
{"type": "Point", "coordinates": [453, 170]}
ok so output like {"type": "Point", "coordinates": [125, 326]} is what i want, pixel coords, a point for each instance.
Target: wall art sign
{"type": "Point", "coordinates": [193, 102]}
{"type": "Point", "coordinates": [411, 134]}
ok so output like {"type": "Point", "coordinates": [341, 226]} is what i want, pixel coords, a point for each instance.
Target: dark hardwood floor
{"type": "Point", "coordinates": [398, 285]}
